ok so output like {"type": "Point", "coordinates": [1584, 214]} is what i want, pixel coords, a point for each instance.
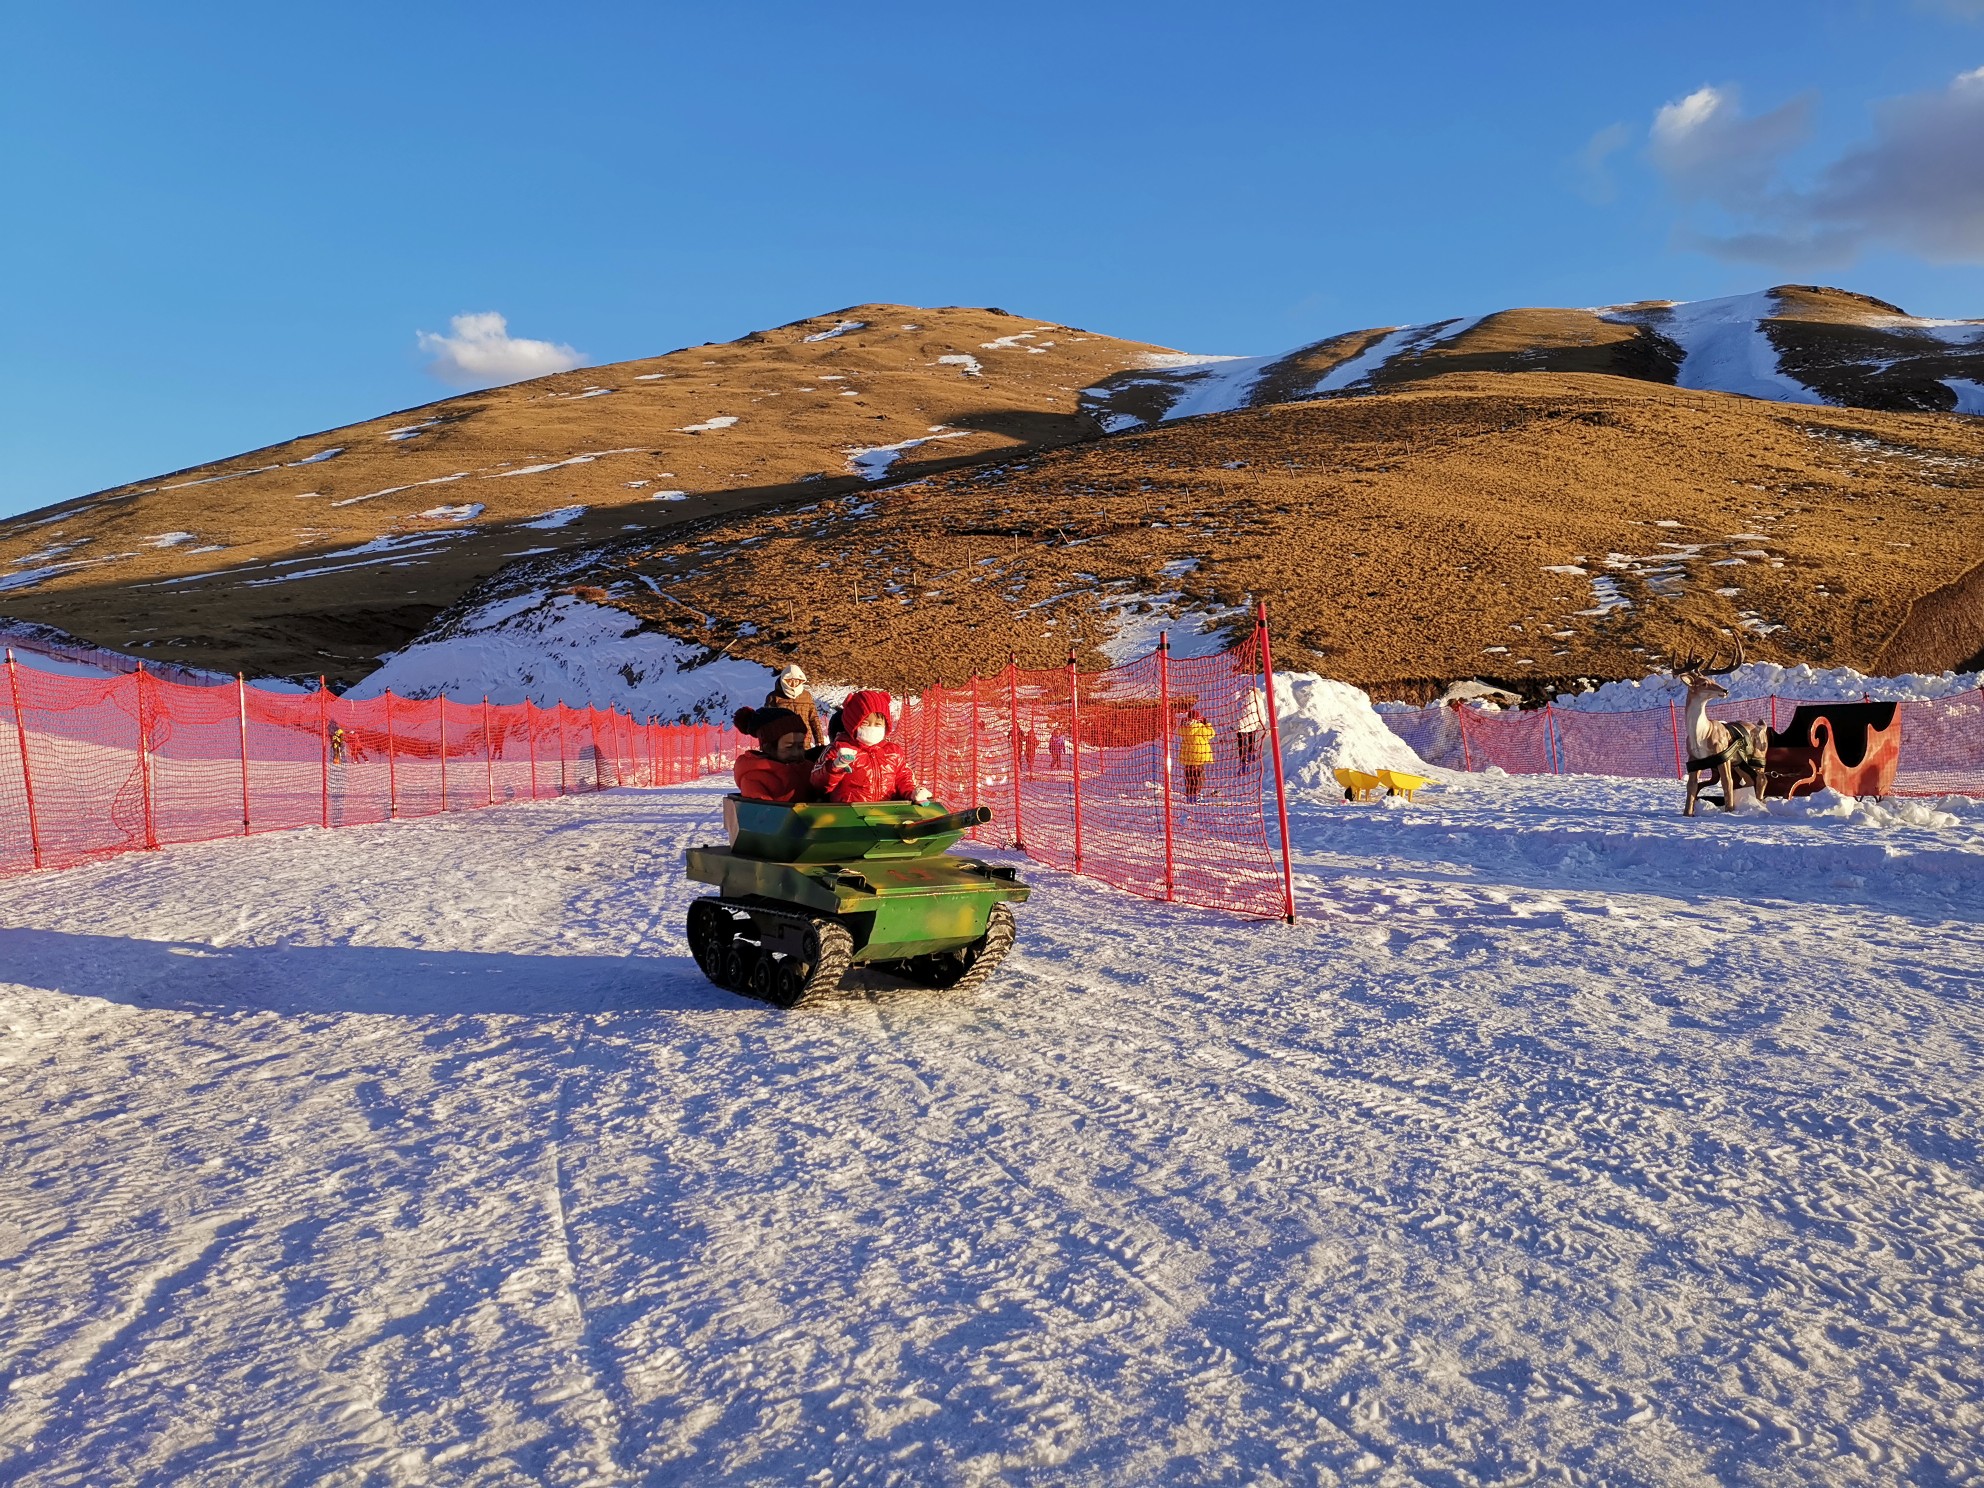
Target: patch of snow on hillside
{"type": "Point", "coordinates": [1969, 394]}
{"type": "Point", "coordinates": [651, 377]}
{"type": "Point", "coordinates": [584, 459]}
{"type": "Point", "coordinates": [1136, 620]}
{"type": "Point", "coordinates": [319, 457]}
{"type": "Point", "coordinates": [170, 540]}
{"type": "Point", "coordinates": [564, 516]}
{"type": "Point", "coordinates": [398, 436]}
{"type": "Point", "coordinates": [965, 360]}
{"type": "Point", "coordinates": [873, 463]}
{"type": "Point", "coordinates": [467, 512]}
{"type": "Point", "coordinates": [208, 480]}
{"type": "Point", "coordinates": [721, 421]}
{"type": "Point", "coordinates": [669, 496]}
{"type": "Point", "coordinates": [390, 550]}
{"type": "Point", "coordinates": [439, 480]}
{"type": "Point", "coordinates": [563, 649]}
{"type": "Point", "coordinates": [1726, 347]}
{"type": "Point", "coordinates": [1217, 387]}
{"type": "Point", "coordinates": [1405, 338]}
{"type": "Point", "coordinates": [1167, 359]}
{"type": "Point", "coordinates": [840, 330]}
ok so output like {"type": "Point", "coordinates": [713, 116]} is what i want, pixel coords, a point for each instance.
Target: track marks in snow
{"type": "Point", "coordinates": [1498, 1163]}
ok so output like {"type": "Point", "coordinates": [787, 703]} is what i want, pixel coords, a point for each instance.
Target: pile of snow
{"type": "Point", "coordinates": [1759, 679]}
{"type": "Point", "coordinates": [562, 649]}
{"type": "Point", "coordinates": [964, 360]}
{"type": "Point", "coordinates": [1327, 725]}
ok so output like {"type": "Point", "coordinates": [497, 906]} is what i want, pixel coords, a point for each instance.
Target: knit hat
{"type": "Point", "coordinates": [856, 707]}
{"type": "Point", "coordinates": [768, 725]}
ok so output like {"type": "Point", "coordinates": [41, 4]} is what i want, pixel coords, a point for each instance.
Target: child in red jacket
{"type": "Point", "coordinates": [863, 763]}
{"type": "Point", "coordinates": [778, 769]}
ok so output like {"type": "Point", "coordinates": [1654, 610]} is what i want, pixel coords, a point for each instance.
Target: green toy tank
{"type": "Point", "coordinates": [806, 892]}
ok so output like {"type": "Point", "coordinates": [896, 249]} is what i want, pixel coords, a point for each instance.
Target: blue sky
{"type": "Point", "coordinates": [228, 223]}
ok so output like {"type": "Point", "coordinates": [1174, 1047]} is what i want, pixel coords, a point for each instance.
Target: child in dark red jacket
{"type": "Point", "coordinates": [863, 763]}
{"type": "Point", "coordinates": [778, 769]}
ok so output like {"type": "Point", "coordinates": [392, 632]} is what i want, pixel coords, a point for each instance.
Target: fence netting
{"type": "Point", "coordinates": [1148, 776]}
{"type": "Point", "coordinates": [1942, 739]}
{"type": "Point", "coordinates": [94, 766]}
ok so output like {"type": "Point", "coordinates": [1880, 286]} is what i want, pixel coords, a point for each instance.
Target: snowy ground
{"type": "Point", "coordinates": [1562, 1140]}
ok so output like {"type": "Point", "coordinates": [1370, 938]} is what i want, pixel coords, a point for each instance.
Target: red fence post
{"type": "Point", "coordinates": [1164, 743]}
{"type": "Point", "coordinates": [1466, 754]}
{"type": "Point", "coordinates": [1552, 739]}
{"type": "Point", "coordinates": [530, 743]}
{"type": "Point", "coordinates": [392, 762]}
{"type": "Point", "coordinates": [564, 748]}
{"type": "Point", "coordinates": [1280, 788]}
{"type": "Point", "coordinates": [443, 701]}
{"type": "Point", "coordinates": [974, 741]}
{"type": "Point", "coordinates": [1075, 729]}
{"type": "Point", "coordinates": [1773, 712]}
{"type": "Point", "coordinates": [1674, 724]}
{"type": "Point", "coordinates": [27, 775]}
{"type": "Point", "coordinates": [488, 751]}
{"type": "Point", "coordinates": [1013, 746]}
{"type": "Point", "coordinates": [145, 756]}
{"type": "Point", "coordinates": [241, 702]}
{"type": "Point", "coordinates": [324, 746]}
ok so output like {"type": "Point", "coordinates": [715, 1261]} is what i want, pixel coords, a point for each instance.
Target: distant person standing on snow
{"type": "Point", "coordinates": [1057, 747]}
{"type": "Point", "coordinates": [794, 696]}
{"type": "Point", "coordinates": [1194, 751]}
{"type": "Point", "coordinates": [1253, 723]}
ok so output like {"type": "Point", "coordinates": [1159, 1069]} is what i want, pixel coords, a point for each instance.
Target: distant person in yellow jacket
{"type": "Point", "coordinates": [1194, 751]}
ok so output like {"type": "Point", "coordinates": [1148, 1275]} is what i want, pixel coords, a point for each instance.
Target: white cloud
{"type": "Point", "coordinates": [481, 352]}
{"type": "Point", "coordinates": [1708, 149]}
{"type": "Point", "coordinates": [1916, 185]}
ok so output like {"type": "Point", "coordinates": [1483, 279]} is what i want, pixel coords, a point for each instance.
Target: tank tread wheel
{"type": "Point", "coordinates": [971, 967]}
{"type": "Point", "coordinates": [710, 931]}
{"type": "Point", "coordinates": [725, 937]}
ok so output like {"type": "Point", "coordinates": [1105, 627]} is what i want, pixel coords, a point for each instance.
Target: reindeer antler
{"type": "Point", "coordinates": [1725, 671]}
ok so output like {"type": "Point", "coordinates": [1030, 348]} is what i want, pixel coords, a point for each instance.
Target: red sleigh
{"type": "Point", "coordinates": [1852, 748]}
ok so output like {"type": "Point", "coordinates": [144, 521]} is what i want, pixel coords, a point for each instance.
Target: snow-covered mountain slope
{"type": "Point", "coordinates": [1794, 343]}
{"type": "Point", "coordinates": [560, 648]}
{"type": "Point", "coordinates": [1561, 1139]}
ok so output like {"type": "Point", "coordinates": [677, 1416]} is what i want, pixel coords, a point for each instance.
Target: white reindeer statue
{"type": "Point", "coordinates": [1719, 751]}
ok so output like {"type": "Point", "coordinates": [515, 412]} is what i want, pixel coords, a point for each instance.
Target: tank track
{"type": "Point", "coordinates": [727, 938]}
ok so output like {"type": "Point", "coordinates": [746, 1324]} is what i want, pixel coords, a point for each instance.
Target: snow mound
{"type": "Point", "coordinates": [1759, 679]}
{"type": "Point", "coordinates": [1327, 725]}
{"type": "Point", "coordinates": [563, 649]}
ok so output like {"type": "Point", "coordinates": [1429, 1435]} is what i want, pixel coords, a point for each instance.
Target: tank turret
{"type": "Point", "coordinates": [806, 892]}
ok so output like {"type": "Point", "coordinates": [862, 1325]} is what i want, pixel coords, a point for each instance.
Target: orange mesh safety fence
{"type": "Point", "coordinates": [1942, 739]}
{"type": "Point", "coordinates": [1154, 777]}
{"type": "Point", "coordinates": [95, 766]}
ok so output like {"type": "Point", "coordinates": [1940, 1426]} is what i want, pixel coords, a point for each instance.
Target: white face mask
{"type": "Point", "coordinates": [790, 686]}
{"type": "Point", "coordinates": [871, 734]}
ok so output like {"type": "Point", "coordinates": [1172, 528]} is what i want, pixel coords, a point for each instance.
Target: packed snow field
{"type": "Point", "coordinates": [1561, 1140]}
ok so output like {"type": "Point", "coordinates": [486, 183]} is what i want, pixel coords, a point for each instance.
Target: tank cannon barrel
{"type": "Point", "coordinates": [956, 821]}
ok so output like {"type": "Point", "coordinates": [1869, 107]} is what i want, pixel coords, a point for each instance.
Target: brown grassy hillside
{"type": "Point", "coordinates": [1516, 526]}
{"type": "Point", "coordinates": [294, 560]}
